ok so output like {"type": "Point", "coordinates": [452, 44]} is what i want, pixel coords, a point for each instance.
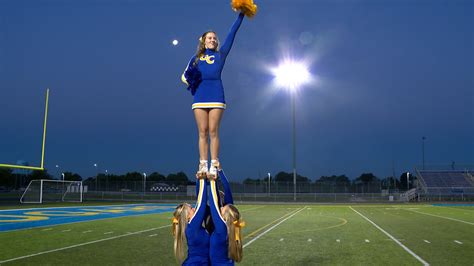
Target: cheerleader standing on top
{"type": "Point", "coordinates": [203, 77]}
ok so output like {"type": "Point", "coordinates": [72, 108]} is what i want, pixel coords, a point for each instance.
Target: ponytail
{"type": "Point", "coordinates": [234, 224]}
{"type": "Point", "coordinates": [178, 227]}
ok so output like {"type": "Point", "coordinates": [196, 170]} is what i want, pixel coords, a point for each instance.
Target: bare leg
{"type": "Point", "coordinates": [215, 116]}
{"type": "Point", "coordinates": [202, 121]}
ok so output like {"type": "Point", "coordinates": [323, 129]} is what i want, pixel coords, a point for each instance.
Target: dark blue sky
{"type": "Point", "coordinates": [388, 72]}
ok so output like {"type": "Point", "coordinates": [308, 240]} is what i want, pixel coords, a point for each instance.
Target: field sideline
{"type": "Point", "coordinates": [274, 235]}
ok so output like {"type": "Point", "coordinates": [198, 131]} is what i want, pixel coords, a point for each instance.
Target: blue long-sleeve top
{"type": "Point", "coordinates": [197, 237]}
{"type": "Point", "coordinates": [210, 91]}
{"type": "Point", "coordinates": [228, 199]}
{"type": "Point", "coordinates": [218, 249]}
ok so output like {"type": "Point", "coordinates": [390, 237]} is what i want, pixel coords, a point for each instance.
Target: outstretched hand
{"type": "Point", "coordinates": [211, 177]}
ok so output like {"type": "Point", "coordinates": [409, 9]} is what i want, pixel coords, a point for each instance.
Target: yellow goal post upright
{"type": "Point", "coordinates": [41, 167]}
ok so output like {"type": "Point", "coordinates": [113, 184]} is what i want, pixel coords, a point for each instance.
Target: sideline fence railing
{"type": "Point", "coordinates": [246, 197]}
{"type": "Point", "coordinates": [257, 192]}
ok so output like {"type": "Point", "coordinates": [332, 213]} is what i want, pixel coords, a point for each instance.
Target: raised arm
{"type": "Point", "coordinates": [219, 223]}
{"type": "Point", "coordinates": [229, 40]}
{"type": "Point", "coordinates": [201, 201]}
{"type": "Point", "coordinates": [228, 199]}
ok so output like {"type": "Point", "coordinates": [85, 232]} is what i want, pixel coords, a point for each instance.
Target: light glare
{"type": "Point", "coordinates": [291, 75]}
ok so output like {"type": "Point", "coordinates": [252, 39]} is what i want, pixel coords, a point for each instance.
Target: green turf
{"type": "Point", "coordinates": [310, 235]}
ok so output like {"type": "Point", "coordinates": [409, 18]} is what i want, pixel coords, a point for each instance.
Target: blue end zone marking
{"type": "Point", "coordinates": [40, 217]}
{"type": "Point", "coordinates": [454, 204]}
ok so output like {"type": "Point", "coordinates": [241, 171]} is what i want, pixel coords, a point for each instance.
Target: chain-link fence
{"type": "Point", "coordinates": [113, 190]}
{"type": "Point", "coordinates": [260, 187]}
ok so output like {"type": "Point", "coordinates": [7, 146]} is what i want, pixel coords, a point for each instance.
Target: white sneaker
{"type": "Point", "coordinates": [215, 166]}
{"type": "Point", "coordinates": [202, 170]}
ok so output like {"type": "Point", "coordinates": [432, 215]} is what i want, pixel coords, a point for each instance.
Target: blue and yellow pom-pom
{"type": "Point", "coordinates": [245, 6]}
{"type": "Point", "coordinates": [193, 77]}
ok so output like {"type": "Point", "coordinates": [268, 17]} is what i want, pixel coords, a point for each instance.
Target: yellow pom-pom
{"type": "Point", "coordinates": [245, 6]}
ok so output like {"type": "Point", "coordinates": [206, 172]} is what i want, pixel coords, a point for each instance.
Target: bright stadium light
{"type": "Point", "coordinates": [291, 75]}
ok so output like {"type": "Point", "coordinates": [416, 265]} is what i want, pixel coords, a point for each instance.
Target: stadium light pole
{"type": "Point", "coordinates": [144, 185]}
{"type": "Point", "coordinates": [96, 176]}
{"type": "Point", "coordinates": [58, 170]}
{"type": "Point", "coordinates": [269, 175]}
{"type": "Point", "coordinates": [408, 181]}
{"type": "Point", "coordinates": [106, 180]}
{"type": "Point", "coordinates": [292, 75]}
{"type": "Point", "coordinates": [423, 150]}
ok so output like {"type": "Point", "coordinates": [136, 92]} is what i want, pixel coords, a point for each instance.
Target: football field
{"type": "Point", "coordinates": [140, 234]}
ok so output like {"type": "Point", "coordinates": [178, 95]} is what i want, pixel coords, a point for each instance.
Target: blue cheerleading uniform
{"type": "Point", "coordinates": [197, 237]}
{"type": "Point", "coordinates": [210, 92]}
{"type": "Point", "coordinates": [218, 250]}
{"type": "Point", "coordinates": [228, 199]}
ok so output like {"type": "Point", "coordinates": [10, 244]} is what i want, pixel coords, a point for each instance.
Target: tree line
{"type": "Point", "coordinates": [340, 180]}
{"type": "Point", "coordinates": [16, 179]}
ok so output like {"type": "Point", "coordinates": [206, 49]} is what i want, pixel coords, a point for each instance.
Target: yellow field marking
{"type": "Point", "coordinates": [139, 208]}
{"type": "Point", "coordinates": [254, 208]}
{"type": "Point", "coordinates": [21, 218]}
{"type": "Point", "coordinates": [343, 222]}
{"type": "Point", "coordinates": [273, 227]}
{"type": "Point", "coordinates": [61, 213]}
{"type": "Point", "coordinates": [103, 210]}
{"type": "Point", "coordinates": [263, 227]}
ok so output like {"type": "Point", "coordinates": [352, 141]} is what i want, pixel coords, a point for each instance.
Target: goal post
{"type": "Point", "coordinates": [45, 190]}
{"type": "Point", "coordinates": [41, 167]}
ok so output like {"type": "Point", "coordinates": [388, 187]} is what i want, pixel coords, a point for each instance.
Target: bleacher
{"type": "Point", "coordinates": [446, 182]}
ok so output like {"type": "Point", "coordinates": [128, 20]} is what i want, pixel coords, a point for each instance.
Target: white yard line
{"type": "Point", "coordinates": [393, 238]}
{"type": "Point", "coordinates": [458, 242]}
{"type": "Point", "coordinates": [82, 244]}
{"type": "Point", "coordinates": [271, 228]}
{"type": "Point", "coordinates": [439, 216]}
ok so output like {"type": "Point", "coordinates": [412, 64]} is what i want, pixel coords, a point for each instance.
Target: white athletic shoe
{"type": "Point", "coordinates": [202, 170]}
{"type": "Point", "coordinates": [215, 166]}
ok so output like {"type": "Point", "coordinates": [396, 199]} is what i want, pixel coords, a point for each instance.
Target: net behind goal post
{"type": "Point", "coordinates": [39, 191]}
